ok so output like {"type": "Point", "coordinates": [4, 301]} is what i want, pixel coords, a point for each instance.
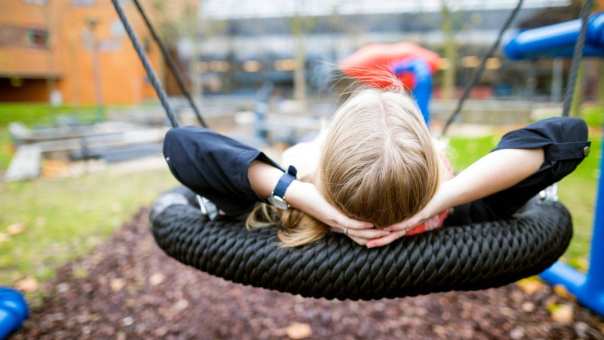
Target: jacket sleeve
{"type": "Point", "coordinates": [214, 166]}
{"type": "Point", "coordinates": [565, 144]}
{"type": "Point", "coordinates": [562, 138]}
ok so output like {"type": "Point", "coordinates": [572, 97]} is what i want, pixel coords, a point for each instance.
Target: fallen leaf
{"type": "Point", "coordinates": [15, 228]}
{"type": "Point", "coordinates": [156, 279]}
{"type": "Point", "coordinates": [530, 285]}
{"type": "Point", "coordinates": [517, 333]}
{"type": "Point", "coordinates": [79, 272]}
{"type": "Point", "coordinates": [28, 284]}
{"type": "Point", "coordinates": [298, 330]}
{"type": "Point", "coordinates": [563, 314]}
{"type": "Point", "coordinates": [180, 305]}
{"type": "Point", "coordinates": [580, 263]}
{"type": "Point", "coordinates": [440, 330]}
{"type": "Point", "coordinates": [562, 292]}
{"type": "Point", "coordinates": [528, 307]}
{"type": "Point", "coordinates": [127, 321]}
{"type": "Point", "coordinates": [117, 284]}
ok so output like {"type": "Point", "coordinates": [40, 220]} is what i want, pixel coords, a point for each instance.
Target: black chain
{"type": "Point", "coordinates": [577, 57]}
{"type": "Point", "coordinates": [171, 64]}
{"type": "Point", "coordinates": [478, 73]}
{"type": "Point", "coordinates": [138, 47]}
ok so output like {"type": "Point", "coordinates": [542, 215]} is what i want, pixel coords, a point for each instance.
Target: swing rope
{"type": "Point", "coordinates": [171, 64]}
{"type": "Point", "coordinates": [335, 267]}
{"type": "Point", "coordinates": [480, 70]}
{"type": "Point", "coordinates": [577, 57]}
{"type": "Point", "coordinates": [138, 47]}
{"type": "Point", "coordinates": [572, 76]}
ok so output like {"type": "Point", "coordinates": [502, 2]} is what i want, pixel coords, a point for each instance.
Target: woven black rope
{"type": "Point", "coordinates": [479, 71]}
{"type": "Point", "coordinates": [138, 47]}
{"type": "Point", "coordinates": [456, 258]}
{"type": "Point", "coordinates": [171, 64]}
{"type": "Point", "coordinates": [577, 57]}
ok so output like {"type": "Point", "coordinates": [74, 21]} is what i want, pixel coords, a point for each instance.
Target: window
{"type": "Point", "coordinates": [14, 36]}
{"type": "Point", "coordinates": [36, 2]}
{"type": "Point", "coordinates": [37, 38]}
{"type": "Point", "coordinates": [82, 2]}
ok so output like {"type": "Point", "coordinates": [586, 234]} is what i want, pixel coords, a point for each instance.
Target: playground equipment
{"type": "Point", "coordinates": [411, 64]}
{"type": "Point", "coordinates": [558, 41]}
{"type": "Point", "coordinates": [13, 311]}
{"type": "Point", "coordinates": [463, 258]}
{"type": "Point", "coordinates": [422, 82]}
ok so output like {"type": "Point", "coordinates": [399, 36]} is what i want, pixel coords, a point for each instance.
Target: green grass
{"type": "Point", "coordinates": [33, 114]}
{"type": "Point", "coordinates": [66, 218]}
{"type": "Point", "coordinates": [593, 115]}
{"type": "Point", "coordinates": [39, 113]}
{"type": "Point", "coordinates": [576, 191]}
{"type": "Point", "coordinates": [5, 149]}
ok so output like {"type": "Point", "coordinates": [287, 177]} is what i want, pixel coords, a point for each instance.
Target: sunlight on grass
{"type": "Point", "coordinates": [65, 218]}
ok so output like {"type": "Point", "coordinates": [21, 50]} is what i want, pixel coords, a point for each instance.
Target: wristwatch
{"type": "Point", "coordinates": [277, 197]}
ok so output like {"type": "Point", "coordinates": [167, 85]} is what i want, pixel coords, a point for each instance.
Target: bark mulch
{"type": "Point", "coordinates": [128, 289]}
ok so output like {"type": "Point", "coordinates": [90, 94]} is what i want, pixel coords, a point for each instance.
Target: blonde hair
{"type": "Point", "coordinates": [378, 164]}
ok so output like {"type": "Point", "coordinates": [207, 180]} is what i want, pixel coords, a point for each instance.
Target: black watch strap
{"type": "Point", "coordinates": [285, 181]}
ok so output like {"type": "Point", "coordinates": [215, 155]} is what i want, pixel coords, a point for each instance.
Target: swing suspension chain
{"type": "Point", "coordinates": [138, 47]}
{"type": "Point", "coordinates": [171, 64]}
{"type": "Point", "coordinates": [577, 57]}
{"type": "Point", "coordinates": [478, 73]}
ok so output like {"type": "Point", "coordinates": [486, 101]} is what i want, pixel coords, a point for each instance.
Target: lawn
{"type": "Point", "coordinates": [41, 113]}
{"type": "Point", "coordinates": [6, 151]}
{"type": "Point", "coordinates": [65, 218]}
{"type": "Point", "coordinates": [34, 114]}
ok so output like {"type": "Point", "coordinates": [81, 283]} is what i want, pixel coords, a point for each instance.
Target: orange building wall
{"type": "Point", "coordinates": [69, 57]}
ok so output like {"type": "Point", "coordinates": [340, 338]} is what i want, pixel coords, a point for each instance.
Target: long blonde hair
{"type": "Point", "coordinates": [378, 164]}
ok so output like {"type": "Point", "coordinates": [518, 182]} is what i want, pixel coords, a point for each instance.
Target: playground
{"type": "Point", "coordinates": [127, 288]}
{"type": "Point", "coordinates": [110, 229]}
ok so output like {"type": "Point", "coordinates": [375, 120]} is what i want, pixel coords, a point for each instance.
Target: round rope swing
{"type": "Point", "coordinates": [467, 257]}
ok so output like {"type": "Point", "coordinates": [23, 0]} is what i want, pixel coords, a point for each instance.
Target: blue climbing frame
{"type": "Point", "coordinates": [422, 89]}
{"type": "Point", "coordinates": [13, 311]}
{"type": "Point", "coordinates": [557, 41]}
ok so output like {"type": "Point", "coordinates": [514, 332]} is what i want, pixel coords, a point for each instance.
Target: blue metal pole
{"type": "Point", "coordinates": [594, 281]}
{"type": "Point", "coordinates": [589, 288]}
{"type": "Point", "coordinates": [557, 40]}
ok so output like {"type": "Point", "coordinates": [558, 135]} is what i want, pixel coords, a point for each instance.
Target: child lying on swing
{"type": "Point", "coordinates": [375, 174]}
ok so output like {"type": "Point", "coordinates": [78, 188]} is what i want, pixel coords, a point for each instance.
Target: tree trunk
{"type": "Point", "coordinates": [300, 58]}
{"type": "Point", "coordinates": [450, 47]}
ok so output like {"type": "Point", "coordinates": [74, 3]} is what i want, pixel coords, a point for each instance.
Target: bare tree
{"type": "Point", "coordinates": [300, 25]}
{"type": "Point", "coordinates": [450, 49]}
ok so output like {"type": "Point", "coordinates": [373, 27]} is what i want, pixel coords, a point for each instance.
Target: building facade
{"type": "Point", "coordinates": [70, 52]}
{"type": "Point", "coordinates": [249, 41]}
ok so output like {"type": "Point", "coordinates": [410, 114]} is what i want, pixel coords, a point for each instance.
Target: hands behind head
{"type": "Point", "coordinates": [307, 198]}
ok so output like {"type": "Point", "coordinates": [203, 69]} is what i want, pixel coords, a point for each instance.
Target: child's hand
{"type": "Point", "coordinates": [438, 203]}
{"type": "Point", "coordinates": [307, 198]}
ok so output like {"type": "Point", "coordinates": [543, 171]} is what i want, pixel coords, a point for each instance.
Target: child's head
{"type": "Point", "coordinates": [378, 161]}
{"type": "Point", "coordinates": [378, 164]}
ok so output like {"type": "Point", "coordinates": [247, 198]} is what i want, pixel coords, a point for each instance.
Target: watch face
{"type": "Point", "coordinates": [278, 202]}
